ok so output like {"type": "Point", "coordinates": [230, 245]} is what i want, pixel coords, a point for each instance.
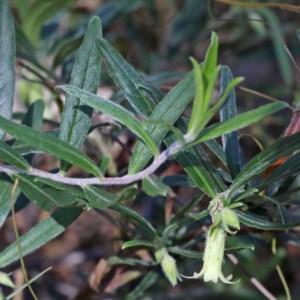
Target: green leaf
{"type": "Point", "coordinates": [50, 144]}
{"type": "Point", "coordinates": [7, 61]}
{"type": "Point", "coordinates": [34, 115]}
{"type": "Point", "coordinates": [199, 106]}
{"type": "Point", "coordinates": [209, 89]}
{"type": "Point", "coordinates": [118, 112]}
{"type": "Point", "coordinates": [265, 158]}
{"type": "Point", "coordinates": [40, 234]}
{"type": "Point", "coordinates": [71, 189]}
{"type": "Point", "coordinates": [234, 245]}
{"type": "Point", "coordinates": [134, 262]}
{"type": "Point", "coordinates": [125, 77]}
{"type": "Point", "coordinates": [12, 157]}
{"type": "Point", "coordinates": [238, 122]}
{"type": "Point", "coordinates": [169, 109]}
{"type": "Point", "coordinates": [185, 209]}
{"type": "Point", "coordinates": [211, 57]}
{"type": "Point", "coordinates": [44, 197]}
{"type": "Point", "coordinates": [75, 120]}
{"type": "Point", "coordinates": [105, 162]}
{"type": "Point", "coordinates": [217, 150]}
{"type": "Point", "coordinates": [216, 107]}
{"type": "Point", "coordinates": [198, 166]}
{"type": "Point", "coordinates": [243, 195]}
{"type": "Point", "coordinates": [34, 119]}
{"type": "Point", "coordinates": [185, 252]}
{"type": "Point", "coordinates": [39, 12]}
{"type": "Point", "coordinates": [24, 286]}
{"type": "Point", "coordinates": [99, 198]}
{"type": "Point", "coordinates": [230, 141]}
{"type": "Point", "coordinates": [6, 186]}
{"type": "Point", "coordinates": [256, 221]}
{"type": "Point", "coordinates": [148, 280]}
{"type": "Point", "coordinates": [147, 228]}
{"type": "Point", "coordinates": [289, 167]}
{"type": "Point", "coordinates": [136, 243]}
{"type": "Point", "coordinates": [5, 194]}
{"type": "Point", "coordinates": [282, 56]}
{"type": "Point", "coordinates": [155, 187]}
{"type": "Point", "coordinates": [200, 169]}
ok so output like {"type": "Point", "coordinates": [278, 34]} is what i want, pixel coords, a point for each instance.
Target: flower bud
{"type": "Point", "coordinates": [158, 255]}
{"type": "Point", "coordinates": [230, 219]}
{"type": "Point", "coordinates": [169, 267]}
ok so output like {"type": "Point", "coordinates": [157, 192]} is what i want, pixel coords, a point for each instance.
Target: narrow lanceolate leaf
{"type": "Point", "coordinates": [49, 144]}
{"type": "Point", "coordinates": [43, 196]}
{"type": "Point", "coordinates": [198, 166]}
{"type": "Point", "coordinates": [76, 116]}
{"type": "Point", "coordinates": [256, 221]}
{"type": "Point", "coordinates": [34, 115]}
{"type": "Point", "coordinates": [10, 156]}
{"type": "Point", "coordinates": [137, 243]}
{"type": "Point", "coordinates": [40, 234]}
{"type": "Point", "coordinates": [38, 13]}
{"type": "Point", "coordinates": [199, 106]}
{"type": "Point", "coordinates": [146, 227]}
{"type": "Point", "coordinates": [99, 198]}
{"type": "Point", "coordinates": [288, 168]}
{"type": "Point", "coordinates": [154, 187]}
{"type": "Point", "coordinates": [194, 164]}
{"type": "Point", "coordinates": [216, 107]}
{"type": "Point", "coordinates": [260, 162]}
{"type": "Point", "coordinates": [169, 109]}
{"type": "Point", "coordinates": [118, 112]}
{"type": "Point", "coordinates": [5, 192]}
{"type": "Point", "coordinates": [126, 78]}
{"type": "Point", "coordinates": [228, 110]}
{"type": "Point", "coordinates": [238, 122]}
{"type": "Point", "coordinates": [185, 252]}
{"type": "Point", "coordinates": [139, 291]}
{"type": "Point", "coordinates": [211, 57]}
{"type": "Point", "coordinates": [7, 61]}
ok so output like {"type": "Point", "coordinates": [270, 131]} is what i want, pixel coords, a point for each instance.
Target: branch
{"type": "Point", "coordinates": [123, 180]}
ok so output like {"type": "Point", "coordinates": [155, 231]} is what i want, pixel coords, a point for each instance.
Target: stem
{"type": "Point", "coordinates": [123, 180]}
{"type": "Point", "coordinates": [13, 191]}
{"type": "Point", "coordinates": [254, 280]}
{"type": "Point", "coordinates": [280, 274]}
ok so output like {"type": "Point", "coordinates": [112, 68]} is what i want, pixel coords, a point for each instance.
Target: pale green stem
{"type": "Point", "coordinates": [13, 191]}
{"type": "Point", "coordinates": [280, 273]}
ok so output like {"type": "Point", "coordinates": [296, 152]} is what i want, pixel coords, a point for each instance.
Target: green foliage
{"type": "Point", "coordinates": [7, 61]}
{"type": "Point", "coordinates": [237, 191]}
{"type": "Point", "coordinates": [85, 74]}
{"type": "Point", "coordinates": [39, 235]}
{"type": "Point", "coordinates": [120, 114]}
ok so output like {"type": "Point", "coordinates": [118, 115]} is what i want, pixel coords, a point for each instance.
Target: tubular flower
{"type": "Point", "coordinates": [213, 257]}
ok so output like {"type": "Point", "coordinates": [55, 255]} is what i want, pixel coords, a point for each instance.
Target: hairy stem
{"type": "Point", "coordinates": [124, 180]}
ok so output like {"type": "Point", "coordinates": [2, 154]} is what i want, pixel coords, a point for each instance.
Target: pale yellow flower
{"type": "Point", "coordinates": [213, 257]}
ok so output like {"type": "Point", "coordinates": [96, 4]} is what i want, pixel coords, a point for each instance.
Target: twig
{"type": "Point", "coordinates": [123, 180]}
{"type": "Point", "coordinates": [259, 94]}
{"type": "Point", "coordinates": [280, 274]}
{"type": "Point", "coordinates": [48, 84]}
{"type": "Point", "coordinates": [254, 280]}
